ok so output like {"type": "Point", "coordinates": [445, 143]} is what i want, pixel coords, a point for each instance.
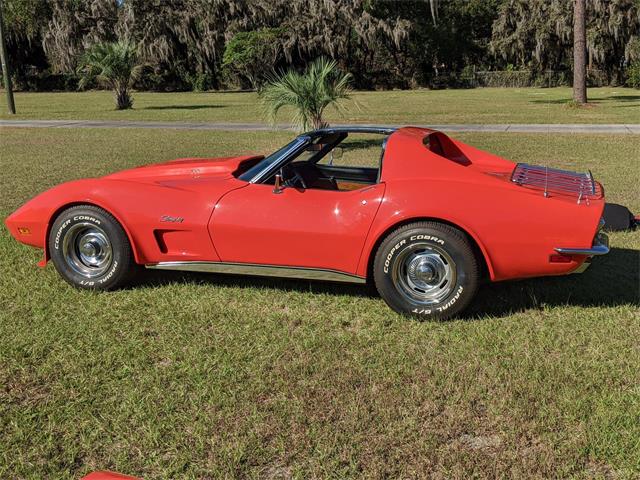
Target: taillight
{"type": "Point", "coordinates": [559, 258]}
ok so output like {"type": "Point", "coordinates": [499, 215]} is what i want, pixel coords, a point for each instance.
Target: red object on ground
{"type": "Point", "coordinates": [104, 475]}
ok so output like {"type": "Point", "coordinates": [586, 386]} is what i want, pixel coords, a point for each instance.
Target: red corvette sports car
{"type": "Point", "coordinates": [421, 216]}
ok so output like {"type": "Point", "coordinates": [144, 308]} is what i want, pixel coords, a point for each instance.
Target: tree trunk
{"type": "Point", "coordinates": [123, 99]}
{"type": "Point", "coordinates": [6, 71]}
{"type": "Point", "coordinates": [433, 4]}
{"type": "Point", "coordinates": [318, 122]}
{"type": "Point", "coordinates": [579, 52]}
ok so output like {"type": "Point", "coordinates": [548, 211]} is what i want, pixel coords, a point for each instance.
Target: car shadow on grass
{"type": "Point", "coordinates": [160, 278]}
{"type": "Point", "coordinates": [182, 107]}
{"type": "Point", "coordinates": [610, 281]}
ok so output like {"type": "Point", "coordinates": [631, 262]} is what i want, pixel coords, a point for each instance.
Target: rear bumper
{"type": "Point", "coordinates": [600, 247]}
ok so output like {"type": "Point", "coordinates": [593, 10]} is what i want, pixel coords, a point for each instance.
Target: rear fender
{"type": "Point", "coordinates": [515, 229]}
{"type": "Point", "coordinates": [374, 242]}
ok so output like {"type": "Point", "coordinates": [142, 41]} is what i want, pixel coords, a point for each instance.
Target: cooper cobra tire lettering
{"type": "Point", "coordinates": [86, 219]}
{"type": "Point", "coordinates": [59, 234]}
{"type": "Point", "coordinates": [387, 262]}
{"type": "Point", "coordinates": [427, 237]}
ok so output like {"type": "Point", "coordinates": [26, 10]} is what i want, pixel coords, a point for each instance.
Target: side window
{"type": "Point", "coordinates": [357, 150]}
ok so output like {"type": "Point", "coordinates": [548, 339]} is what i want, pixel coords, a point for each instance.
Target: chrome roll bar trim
{"type": "Point", "coordinates": [600, 247]}
{"type": "Point", "coordinates": [382, 130]}
{"type": "Point", "coordinates": [260, 270]}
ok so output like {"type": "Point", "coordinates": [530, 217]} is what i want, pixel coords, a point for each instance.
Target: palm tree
{"type": "Point", "coordinates": [113, 65]}
{"type": "Point", "coordinates": [309, 93]}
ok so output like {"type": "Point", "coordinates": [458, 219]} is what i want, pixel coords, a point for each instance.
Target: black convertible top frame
{"type": "Point", "coordinates": [350, 129]}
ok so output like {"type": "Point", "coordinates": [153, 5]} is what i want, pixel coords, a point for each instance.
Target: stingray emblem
{"type": "Point", "coordinates": [170, 219]}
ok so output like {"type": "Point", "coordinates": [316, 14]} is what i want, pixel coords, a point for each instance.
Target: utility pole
{"type": "Point", "coordinates": [6, 71]}
{"type": "Point", "coordinates": [579, 52]}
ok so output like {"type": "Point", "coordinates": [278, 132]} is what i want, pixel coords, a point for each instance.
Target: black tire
{"type": "Point", "coordinates": [90, 249]}
{"type": "Point", "coordinates": [427, 270]}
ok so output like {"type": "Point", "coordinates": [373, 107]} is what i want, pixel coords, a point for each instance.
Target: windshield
{"type": "Point", "coordinates": [267, 162]}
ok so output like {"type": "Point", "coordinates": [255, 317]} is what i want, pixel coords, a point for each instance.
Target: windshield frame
{"type": "Point", "coordinates": [270, 164]}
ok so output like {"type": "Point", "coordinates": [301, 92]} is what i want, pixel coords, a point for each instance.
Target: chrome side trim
{"type": "Point", "coordinates": [600, 247]}
{"type": "Point", "coordinates": [260, 270]}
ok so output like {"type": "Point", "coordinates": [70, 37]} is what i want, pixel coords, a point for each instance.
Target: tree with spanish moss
{"type": "Point", "coordinates": [74, 26]}
{"type": "Point", "coordinates": [538, 35]}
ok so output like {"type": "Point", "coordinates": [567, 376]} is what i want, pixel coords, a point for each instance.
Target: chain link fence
{"type": "Point", "coordinates": [515, 79]}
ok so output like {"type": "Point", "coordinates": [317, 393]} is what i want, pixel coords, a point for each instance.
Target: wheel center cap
{"type": "Point", "coordinates": [425, 272]}
{"type": "Point", "coordinates": [89, 249]}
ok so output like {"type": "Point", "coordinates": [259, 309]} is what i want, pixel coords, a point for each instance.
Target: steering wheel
{"type": "Point", "coordinates": [292, 177]}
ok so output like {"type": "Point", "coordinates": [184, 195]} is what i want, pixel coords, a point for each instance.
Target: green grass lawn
{"type": "Point", "coordinates": [483, 105]}
{"type": "Point", "coordinates": [190, 376]}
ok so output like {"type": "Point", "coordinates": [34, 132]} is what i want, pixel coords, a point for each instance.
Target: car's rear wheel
{"type": "Point", "coordinates": [426, 269]}
{"type": "Point", "coordinates": [90, 249]}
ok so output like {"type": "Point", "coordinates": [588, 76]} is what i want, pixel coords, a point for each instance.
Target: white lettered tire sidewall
{"type": "Point", "coordinates": [121, 266]}
{"type": "Point", "coordinates": [442, 237]}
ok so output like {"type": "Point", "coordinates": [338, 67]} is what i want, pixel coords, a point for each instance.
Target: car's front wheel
{"type": "Point", "coordinates": [90, 249]}
{"type": "Point", "coordinates": [426, 269]}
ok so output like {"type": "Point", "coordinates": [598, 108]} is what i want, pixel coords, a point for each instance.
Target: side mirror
{"type": "Point", "coordinates": [278, 188]}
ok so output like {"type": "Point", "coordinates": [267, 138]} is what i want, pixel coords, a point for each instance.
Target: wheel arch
{"type": "Point", "coordinates": [486, 268]}
{"type": "Point", "coordinates": [59, 210]}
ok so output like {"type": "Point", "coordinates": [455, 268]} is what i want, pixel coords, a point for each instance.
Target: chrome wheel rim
{"type": "Point", "coordinates": [87, 249]}
{"type": "Point", "coordinates": [424, 273]}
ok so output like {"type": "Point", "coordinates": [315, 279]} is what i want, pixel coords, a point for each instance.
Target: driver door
{"type": "Point", "coordinates": [311, 228]}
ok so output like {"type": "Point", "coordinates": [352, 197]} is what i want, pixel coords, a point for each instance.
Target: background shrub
{"type": "Point", "coordinates": [633, 75]}
{"type": "Point", "coordinates": [250, 57]}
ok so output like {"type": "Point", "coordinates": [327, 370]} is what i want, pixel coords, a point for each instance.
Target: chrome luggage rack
{"type": "Point", "coordinates": [556, 181]}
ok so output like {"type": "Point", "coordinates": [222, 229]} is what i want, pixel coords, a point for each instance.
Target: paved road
{"type": "Point", "coordinates": [510, 128]}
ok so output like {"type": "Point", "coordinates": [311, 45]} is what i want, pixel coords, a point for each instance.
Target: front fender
{"type": "Point", "coordinates": [138, 207]}
{"type": "Point", "coordinates": [30, 224]}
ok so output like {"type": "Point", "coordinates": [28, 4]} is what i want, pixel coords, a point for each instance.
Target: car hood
{"type": "Point", "coordinates": [186, 168]}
